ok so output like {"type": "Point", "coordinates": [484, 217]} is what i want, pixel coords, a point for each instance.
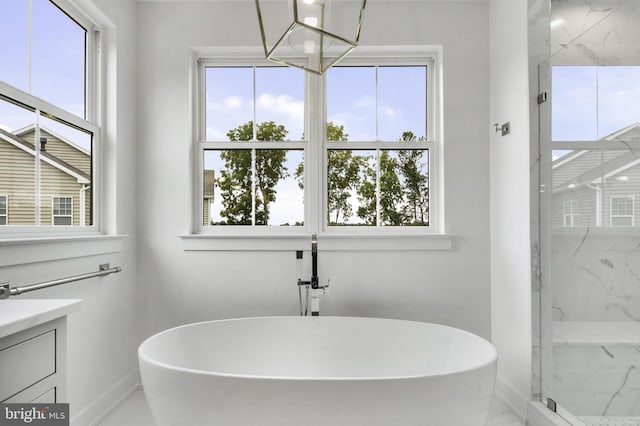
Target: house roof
{"type": "Point", "coordinates": [31, 128]}
{"type": "Point", "coordinates": [585, 167]}
{"type": "Point", "coordinates": [47, 157]}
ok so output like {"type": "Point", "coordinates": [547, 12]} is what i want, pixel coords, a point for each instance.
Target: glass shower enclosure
{"type": "Point", "coordinates": [590, 212]}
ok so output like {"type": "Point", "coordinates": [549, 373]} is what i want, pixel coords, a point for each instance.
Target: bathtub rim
{"type": "Point", "coordinates": [142, 356]}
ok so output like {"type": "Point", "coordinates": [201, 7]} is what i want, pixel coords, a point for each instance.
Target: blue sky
{"type": "Point", "coordinates": [55, 69]}
{"type": "Point", "coordinates": [592, 102]}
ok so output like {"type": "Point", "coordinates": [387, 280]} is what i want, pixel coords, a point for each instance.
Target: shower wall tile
{"type": "Point", "coordinates": [595, 32]}
{"type": "Point", "coordinates": [592, 380]}
{"type": "Point", "coordinates": [598, 276]}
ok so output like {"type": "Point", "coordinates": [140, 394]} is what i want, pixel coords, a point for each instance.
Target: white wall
{"type": "Point", "coordinates": [450, 287]}
{"type": "Point", "coordinates": [510, 201]}
{"type": "Point", "coordinates": [102, 336]}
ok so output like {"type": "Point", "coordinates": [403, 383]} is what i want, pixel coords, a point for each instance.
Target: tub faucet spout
{"type": "Point", "coordinates": [314, 261]}
{"type": "Point", "coordinates": [313, 289]}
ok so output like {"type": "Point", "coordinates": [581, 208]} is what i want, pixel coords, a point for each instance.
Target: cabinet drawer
{"type": "Point", "coordinates": [26, 363]}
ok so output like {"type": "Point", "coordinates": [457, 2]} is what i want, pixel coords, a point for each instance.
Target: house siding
{"type": "Point", "coordinates": [17, 171]}
{"type": "Point", "coordinates": [62, 150]}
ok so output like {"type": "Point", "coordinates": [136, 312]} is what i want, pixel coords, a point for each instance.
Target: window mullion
{"type": "Point", "coordinates": [378, 187]}
{"type": "Point", "coordinates": [315, 165]}
{"type": "Point", "coordinates": [253, 185]}
{"type": "Point", "coordinates": [36, 151]}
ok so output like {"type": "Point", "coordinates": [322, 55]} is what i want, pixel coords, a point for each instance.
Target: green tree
{"type": "Point", "coordinates": [391, 193]}
{"type": "Point", "coordinates": [235, 180]}
{"type": "Point", "coordinates": [416, 182]}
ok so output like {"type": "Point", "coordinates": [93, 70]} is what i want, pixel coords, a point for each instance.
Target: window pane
{"type": "Point", "coordinates": [229, 200]}
{"type": "Point", "coordinates": [595, 187]}
{"type": "Point", "coordinates": [276, 182]}
{"type": "Point", "coordinates": [280, 99]}
{"type": "Point", "coordinates": [17, 163]}
{"type": "Point", "coordinates": [228, 197]}
{"type": "Point", "coordinates": [618, 100]}
{"type": "Point", "coordinates": [385, 187]}
{"type": "Point", "coordinates": [14, 43]}
{"type": "Point", "coordinates": [404, 187]}
{"type": "Point", "coordinates": [402, 102]}
{"type": "Point", "coordinates": [353, 105]}
{"type": "Point", "coordinates": [229, 101]}
{"type": "Point", "coordinates": [574, 103]}
{"type": "Point", "coordinates": [65, 171]}
{"type": "Point", "coordinates": [351, 186]}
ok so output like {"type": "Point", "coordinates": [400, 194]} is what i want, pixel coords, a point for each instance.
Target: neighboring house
{"type": "Point", "coordinates": [598, 187]}
{"type": "Point", "coordinates": [208, 190]}
{"type": "Point", "coordinates": [65, 183]}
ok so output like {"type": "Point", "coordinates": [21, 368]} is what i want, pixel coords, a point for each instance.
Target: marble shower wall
{"type": "Point", "coordinates": [596, 277]}
{"type": "Point", "coordinates": [595, 32]}
{"type": "Point", "coordinates": [595, 271]}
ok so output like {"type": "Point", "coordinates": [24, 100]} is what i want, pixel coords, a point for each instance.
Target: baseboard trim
{"type": "Point", "coordinates": [106, 403]}
{"type": "Point", "coordinates": [516, 402]}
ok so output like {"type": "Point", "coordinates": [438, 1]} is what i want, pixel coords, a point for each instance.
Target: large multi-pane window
{"type": "Point", "coordinates": [48, 130]}
{"type": "Point", "coordinates": [281, 149]}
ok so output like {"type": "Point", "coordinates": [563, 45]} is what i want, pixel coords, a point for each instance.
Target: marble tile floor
{"type": "Point", "coordinates": [134, 412]}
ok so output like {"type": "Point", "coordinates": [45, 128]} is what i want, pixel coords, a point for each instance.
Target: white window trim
{"type": "Point", "coordinates": [93, 113]}
{"type": "Point", "coordinates": [53, 215]}
{"type": "Point", "coordinates": [6, 213]}
{"type": "Point", "coordinates": [633, 207]}
{"type": "Point", "coordinates": [369, 238]}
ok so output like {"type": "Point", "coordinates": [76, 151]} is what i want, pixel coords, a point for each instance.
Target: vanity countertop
{"type": "Point", "coordinates": [18, 315]}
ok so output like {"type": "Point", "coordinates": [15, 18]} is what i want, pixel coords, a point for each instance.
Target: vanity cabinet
{"type": "Point", "coordinates": [33, 358]}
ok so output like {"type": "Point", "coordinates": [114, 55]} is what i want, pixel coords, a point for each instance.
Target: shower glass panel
{"type": "Point", "coordinates": [593, 244]}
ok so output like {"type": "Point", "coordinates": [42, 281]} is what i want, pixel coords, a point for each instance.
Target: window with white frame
{"type": "Point", "coordinates": [281, 150]}
{"type": "Point", "coordinates": [622, 210]}
{"type": "Point", "coordinates": [570, 212]}
{"type": "Point", "coordinates": [48, 123]}
{"type": "Point", "coordinates": [62, 211]}
{"type": "Point", "coordinates": [4, 220]}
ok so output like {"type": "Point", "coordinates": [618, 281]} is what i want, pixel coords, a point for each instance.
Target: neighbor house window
{"type": "Point", "coordinates": [281, 150]}
{"type": "Point", "coordinates": [48, 130]}
{"type": "Point", "coordinates": [570, 212]}
{"type": "Point", "coordinates": [622, 210]}
{"type": "Point", "coordinates": [3, 210]}
{"type": "Point", "coordinates": [62, 211]}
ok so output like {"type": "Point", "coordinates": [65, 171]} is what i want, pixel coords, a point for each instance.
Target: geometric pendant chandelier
{"type": "Point", "coordinates": [309, 34]}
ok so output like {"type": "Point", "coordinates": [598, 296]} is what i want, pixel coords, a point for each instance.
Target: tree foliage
{"type": "Point", "coordinates": [235, 181]}
{"type": "Point", "coordinates": [393, 188]}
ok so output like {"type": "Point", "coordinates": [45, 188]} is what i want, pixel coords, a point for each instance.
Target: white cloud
{"type": "Point", "coordinates": [365, 102]}
{"type": "Point", "coordinates": [233, 102]}
{"type": "Point", "coordinates": [389, 112]}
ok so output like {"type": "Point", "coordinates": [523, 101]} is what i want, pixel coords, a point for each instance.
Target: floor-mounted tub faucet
{"type": "Point", "coordinates": [313, 289]}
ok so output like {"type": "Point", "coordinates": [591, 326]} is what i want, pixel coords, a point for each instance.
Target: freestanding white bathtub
{"type": "Point", "coordinates": [308, 371]}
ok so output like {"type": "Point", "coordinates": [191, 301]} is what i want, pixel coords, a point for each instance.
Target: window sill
{"type": "Point", "coordinates": [326, 242]}
{"type": "Point", "coordinates": [21, 251]}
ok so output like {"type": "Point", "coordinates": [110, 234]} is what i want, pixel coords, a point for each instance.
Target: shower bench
{"type": "Point", "coordinates": [596, 370]}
